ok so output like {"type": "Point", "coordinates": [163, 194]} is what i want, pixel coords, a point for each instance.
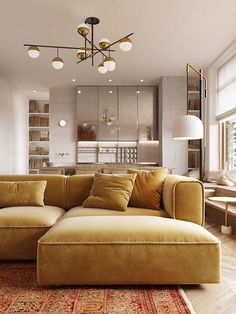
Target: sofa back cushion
{"type": "Point", "coordinates": [147, 188]}
{"type": "Point", "coordinates": [110, 191]}
{"type": "Point", "coordinates": [78, 189]}
{"type": "Point", "coordinates": [55, 193]}
{"type": "Point", "coordinates": [22, 193]}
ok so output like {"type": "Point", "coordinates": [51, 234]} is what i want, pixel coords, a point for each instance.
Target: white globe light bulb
{"type": "Point", "coordinates": [57, 63]}
{"type": "Point", "coordinates": [125, 44]}
{"type": "Point", "coordinates": [102, 69]}
{"type": "Point", "coordinates": [109, 63]}
{"type": "Point", "coordinates": [33, 52]}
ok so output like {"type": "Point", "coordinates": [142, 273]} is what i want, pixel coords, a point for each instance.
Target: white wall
{"type": "Point", "coordinates": [13, 130]}
{"type": "Point", "coordinates": [62, 139]}
{"type": "Point", "coordinates": [172, 104]}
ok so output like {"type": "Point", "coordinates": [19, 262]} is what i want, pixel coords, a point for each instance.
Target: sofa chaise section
{"type": "Point", "coordinates": [21, 227]}
{"type": "Point", "coordinates": [139, 246]}
{"type": "Point", "coordinates": [127, 250]}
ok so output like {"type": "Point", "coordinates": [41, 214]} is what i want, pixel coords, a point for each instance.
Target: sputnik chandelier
{"type": "Point", "coordinates": [89, 50]}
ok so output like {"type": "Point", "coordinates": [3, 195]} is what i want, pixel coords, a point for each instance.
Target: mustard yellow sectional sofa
{"type": "Point", "coordinates": [75, 245]}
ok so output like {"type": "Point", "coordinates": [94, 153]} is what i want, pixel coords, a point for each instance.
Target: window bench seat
{"type": "Point", "coordinates": [216, 210]}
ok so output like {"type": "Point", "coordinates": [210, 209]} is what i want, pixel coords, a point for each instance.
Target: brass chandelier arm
{"type": "Point", "coordinates": [88, 57]}
{"type": "Point", "coordinates": [94, 46]}
{"type": "Point", "coordinates": [62, 47]}
{"type": "Point", "coordinates": [100, 50]}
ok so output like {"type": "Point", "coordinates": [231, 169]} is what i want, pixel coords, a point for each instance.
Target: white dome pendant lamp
{"type": "Point", "coordinates": [187, 127]}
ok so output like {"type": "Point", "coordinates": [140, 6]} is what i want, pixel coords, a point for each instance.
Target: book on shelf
{"type": "Point", "coordinates": [193, 160]}
{"type": "Point", "coordinates": [35, 135]}
{"type": "Point", "coordinates": [194, 104]}
{"type": "Point", "coordinates": [46, 108]}
{"type": "Point", "coordinates": [37, 121]}
{"type": "Point", "coordinates": [38, 150]}
{"type": "Point", "coordinates": [33, 106]}
{"type": "Point", "coordinates": [193, 144]}
{"type": "Point", "coordinates": [37, 163]}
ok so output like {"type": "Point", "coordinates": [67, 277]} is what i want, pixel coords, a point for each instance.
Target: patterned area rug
{"type": "Point", "coordinates": [19, 292]}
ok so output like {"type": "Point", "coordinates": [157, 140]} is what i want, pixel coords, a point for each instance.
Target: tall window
{"type": "Point", "coordinates": [229, 144]}
{"type": "Point", "coordinates": [226, 111]}
{"type": "Point", "coordinates": [226, 88]}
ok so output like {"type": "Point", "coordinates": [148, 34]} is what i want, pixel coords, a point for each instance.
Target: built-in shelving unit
{"type": "Point", "coordinates": [194, 107]}
{"type": "Point", "coordinates": [38, 134]}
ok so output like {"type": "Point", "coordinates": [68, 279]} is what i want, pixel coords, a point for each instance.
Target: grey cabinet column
{"type": "Point", "coordinates": [107, 113]}
{"type": "Point", "coordinates": [127, 113]}
{"type": "Point", "coordinates": [87, 114]}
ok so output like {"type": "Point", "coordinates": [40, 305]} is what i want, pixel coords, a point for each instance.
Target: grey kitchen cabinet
{"type": "Point", "coordinates": [107, 113]}
{"type": "Point", "coordinates": [147, 102]}
{"type": "Point", "coordinates": [111, 113]}
{"type": "Point", "coordinates": [87, 113]}
{"type": "Point", "coordinates": [127, 113]}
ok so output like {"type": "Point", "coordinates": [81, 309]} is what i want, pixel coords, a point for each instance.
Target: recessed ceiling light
{"type": "Point", "coordinates": [110, 91]}
{"type": "Point", "coordinates": [73, 80]}
{"type": "Point", "coordinates": [79, 91]}
{"type": "Point", "coordinates": [34, 91]}
{"type": "Point", "coordinates": [138, 91]}
{"type": "Point", "coordinates": [141, 80]}
{"type": "Point", "coordinates": [110, 80]}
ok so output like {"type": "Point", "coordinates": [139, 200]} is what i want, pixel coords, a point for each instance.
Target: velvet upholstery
{"type": "Point", "coordinates": [22, 193]}
{"type": "Point", "coordinates": [183, 198]}
{"type": "Point", "coordinates": [147, 188]}
{"type": "Point", "coordinates": [110, 191]}
{"type": "Point", "coordinates": [55, 192]}
{"type": "Point", "coordinates": [21, 227]}
{"type": "Point", "coordinates": [130, 211]}
{"type": "Point", "coordinates": [127, 250]}
{"type": "Point", "coordinates": [78, 189]}
{"type": "Point", "coordinates": [101, 246]}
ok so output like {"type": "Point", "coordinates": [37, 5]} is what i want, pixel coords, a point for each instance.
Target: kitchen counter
{"type": "Point", "coordinates": [91, 168]}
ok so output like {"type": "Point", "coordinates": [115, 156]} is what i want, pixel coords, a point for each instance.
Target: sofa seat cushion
{"type": "Point", "coordinates": [118, 230]}
{"type": "Point", "coordinates": [30, 216]}
{"type": "Point", "coordinates": [127, 250]}
{"type": "Point", "coordinates": [21, 227]}
{"type": "Point", "coordinates": [81, 211]}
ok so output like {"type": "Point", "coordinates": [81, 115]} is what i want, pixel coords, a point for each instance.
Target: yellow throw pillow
{"type": "Point", "coordinates": [22, 193]}
{"type": "Point", "coordinates": [147, 188]}
{"type": "Point", "coordinates": [110, 191]}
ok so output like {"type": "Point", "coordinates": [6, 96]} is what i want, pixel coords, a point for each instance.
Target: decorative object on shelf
{"type": "Point", "coordinates": [86, 132]}
{"type": "Point", "coordinates": [89, 50]}
{"type": "Point", "coordinates": [62, 123]}
{"type": "Point", "coordinates": [106, 118]}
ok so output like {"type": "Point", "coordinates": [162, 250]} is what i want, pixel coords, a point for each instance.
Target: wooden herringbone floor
{"type": "Point", "coordinates": [218, 298]}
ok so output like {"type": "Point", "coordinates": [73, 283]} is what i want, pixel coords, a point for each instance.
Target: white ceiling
{"type": "Point", "coordinates": [168, 34]}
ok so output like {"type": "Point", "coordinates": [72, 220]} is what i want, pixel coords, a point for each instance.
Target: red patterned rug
{"type": "Point", "coordinates": [19, 292]}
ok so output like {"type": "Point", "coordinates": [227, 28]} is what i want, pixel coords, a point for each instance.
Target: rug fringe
{"type": "Point", "coordinates": [186, 299]}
